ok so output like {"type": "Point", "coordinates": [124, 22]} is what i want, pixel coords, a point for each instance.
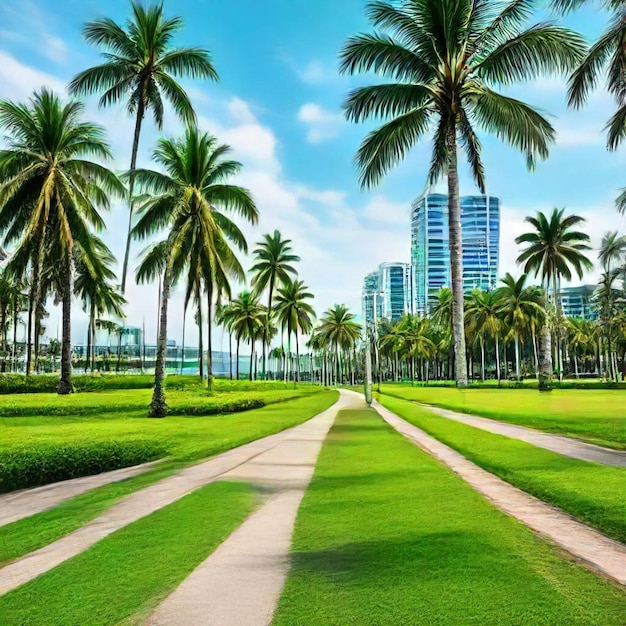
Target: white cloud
{"type": "Point", "coordinates": [17, 80]}
{"type": "Point", "coordinates": [54, 48]}
{"type": "Point", "coordinates": [322, 124]}
{"type": "Point", "coordinates": [317, 73]}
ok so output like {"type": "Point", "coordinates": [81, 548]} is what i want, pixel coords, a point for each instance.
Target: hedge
{"type": "Point", "coordinates": [31, 467]}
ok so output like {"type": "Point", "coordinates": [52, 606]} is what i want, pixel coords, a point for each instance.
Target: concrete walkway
{"type": "Point", "coordinates": [26, 502]}
{"type": "Point", "coordinates": [585, 544]}
{"type": "Point", "coordinates": [240, 583]}
{"type": "Point", "coordinates": [142, 503]}
{"type": "Point", "coordinates": [566, 446]}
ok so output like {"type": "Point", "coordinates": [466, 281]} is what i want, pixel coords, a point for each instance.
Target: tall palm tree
{"type": "Point", "coordinates": [413, 340]}
{"type": "Point", "coordinates": [246, 319]}
{"type": "Point", "coordinates": [339, 331]}
{"type": "Point", "coordinates": [295, 314]}
{"type": "Point", "coordinates": [141, 67]}
{"type": "Point", "coordinates": [553, 250]}
{"type": "Point", "coordinates": [444, 57]}
{"type": "Point", "coordinates": [272, 267]}
{"type": "Point", "coordinates": [187, 203]}
{"type": "Point", "coordinates": [93, 286]}
{"type": "Point", "coordinates": [519, 304]}
{"type": "Point", "coordinates": [608, 55]}
{"type": "Point", "coordinates": [612, 249]}
{"type": "Point", "coordinates": [50, 193]}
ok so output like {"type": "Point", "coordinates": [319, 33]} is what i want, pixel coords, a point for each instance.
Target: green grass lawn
{"type": "Point", "coordinates": [207, 437]}
{"type": "Point", "coordinates": [591, 492]}
{"type": "Point", "coordinates": [129, 572]}
{"type": "Point", "coordinates": [598, 416]}
{"type": "Point", "coordinates": [387, 536]}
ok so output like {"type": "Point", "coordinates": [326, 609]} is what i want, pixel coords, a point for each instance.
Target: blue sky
{"type": "Point", "coordinates": [278, 105]}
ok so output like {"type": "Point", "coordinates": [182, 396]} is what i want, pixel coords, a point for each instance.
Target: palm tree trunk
{"type": "Point", "coordinates": [517, 358]}
{"type": "Point", "coordinates": [268, 321]}
{"type": "Point", "coordinates": [575, 363]}
{"type": "Point", "coordinates": [158, 407]}
{"type": "Point", "coordinates": [209, 356]}
{"type": "Point", "coordinates": [251, 357]}
{"type": "Point", "coordinates": [93, 343]}
{"type": "Point", "coordinates": [65, 383]}
{"type": "Point", "coordinates": [230, 355]}
{"type": "Point", "coordinates": [182, 358]}
{"type": "Point", "coordinates": [456, 261]}
{"type": "Point", "coordinates": [88, 353]}
{"type": "Point", "coordinates": [131, 185]}
{"type": "Point", "coordinates": [200, 344]}
{"type": "Point", "coordinates": [15, 318]}
{"type": "Point", "coordinates": [35, 287]}
{"type": "Point", "coordinates": [297, 379]}
{"type": "Point", "coordinates": [237, 356]}
{"type": "Point", "coordinates": [498, 356]}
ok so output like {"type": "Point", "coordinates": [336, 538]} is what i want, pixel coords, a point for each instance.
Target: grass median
{"type": "Point", "coordinates": [595, 415]}
{"type": "Point", "coordinates": [212, 436]}
{"type": "Point", "coordinates": [591, 492]}
{"type": "Point", "coordinates": [128, 573]}
{"type": "Point", "coordinates": [386, 535]}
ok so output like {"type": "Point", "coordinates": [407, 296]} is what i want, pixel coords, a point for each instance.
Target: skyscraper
{"type": "Point", "coordinates": [371, 302]}
{"type": "Point", "coordinates": [577, 302]}
{"type": "Point", "coordinates": [395, 282]}
{"type": "Point", "coordinates": [430, 245]}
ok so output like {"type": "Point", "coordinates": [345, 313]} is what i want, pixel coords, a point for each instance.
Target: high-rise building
{"type": "Point", "coordinates": [395, 282]}
{"type": "Point", "coordinates": [480, 226]}
{"type": "Point", "coordinates": [430, 245]}
{"type": "Point", "coordinates": [371, 300]}
{"type": "Point", "coordinates": [577, 302]}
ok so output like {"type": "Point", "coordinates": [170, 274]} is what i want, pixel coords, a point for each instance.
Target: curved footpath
{"type": "Point", "coordinates": [158, 495]}
{"type": "Point", "coordinates": [567, 446]}
{"type": "Point", "coordinates": [587, 545]}
{"type": "Point", "coordinates": [16, 505]}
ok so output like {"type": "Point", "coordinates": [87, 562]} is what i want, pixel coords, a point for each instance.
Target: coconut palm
{"type": "Point", "coordinates": [484, 315]}
{"type": "Point", "coordinates": [246, 318]}
{"type": "Point", "coordinates": [339, 331]}
{"type": "Point", "coordinates": [519, 304]}
{"type": "Point", "coordinates": [50, 194]}
{"type": "Point", "coordinates": [294, 314]}
{"type": "Point", "coordinates": [141, 67]}
{"type": "Point", "coordinates": [413, 341]}
{"type": "Point", "coordinates": [93, 286]}
{"type": "Point", "coordinates": [553, 250]}
{"type": "Point", "coordinates": [187, 203]}
{"type": "Point", "coordinates": [612, 249]}
{"type": "Point", "coordinates": [444, 57]}
{"type": "Point", "coordinates": [272, 268]}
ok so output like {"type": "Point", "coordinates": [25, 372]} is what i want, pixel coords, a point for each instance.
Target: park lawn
{"type": "Point", "coordinates": [595, 415]}
{"type": "Point", "coordinates": [129, 572]}
{"type": "Point", "coordinates": [215, 436]}
{"type": "Point", "coordinates": [594, 493]}
{"type": "Point", "coordinates": [386, 535]}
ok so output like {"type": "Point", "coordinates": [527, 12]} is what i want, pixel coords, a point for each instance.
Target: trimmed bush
{"type": "Point", "coordinates": [47, 383]}
{"type": "Point", "coordinates": [31, 467]}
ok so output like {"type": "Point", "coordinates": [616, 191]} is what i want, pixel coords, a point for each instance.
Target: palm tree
{"type": "Point", "coordinates": [141, 67]}
{"type": "Point", "coordinates": [246, 319]}
{"type": "Point", "coordinates": [553, 250]}
{"type": "Point", "coordinates": [272, 267]}
{"type": "Point", "coordinates": [519, 304]}
{"type": "Point", "coordinates": [612, 249]}
{"type": "Point", "coordinates": [92, 285]}
{"type": "Point", "coordinates": [339, 331]}
{"type": "Point", "coordinates": [186, 204]}
{"type": "Point", "coordinates": [50, 194]}
{"type": "Point", "coordinates": [413, 341]}
{"type": "Point", "coordinates": [295, 314]}
{"type": "Point", "coordinates": [444, 56]}
{"type": "Point", "coordinates": [484, 316]}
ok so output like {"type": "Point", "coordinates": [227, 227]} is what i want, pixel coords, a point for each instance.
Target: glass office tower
{"type": "Point", "coordinates": [395, 281]}
{"type": "Point", "coordinates": [430, 245]}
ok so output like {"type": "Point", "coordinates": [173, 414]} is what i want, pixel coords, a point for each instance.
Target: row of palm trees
{"type": "Point", "coordinates": [443, 60]}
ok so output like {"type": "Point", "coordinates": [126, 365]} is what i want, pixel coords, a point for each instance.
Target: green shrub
{"type": "Point", "coordinates": [47, 383]}
{"type": "Point", "coordinates": [30, 467]}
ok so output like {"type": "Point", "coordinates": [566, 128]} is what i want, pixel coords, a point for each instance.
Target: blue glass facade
{"type": "Point", "coordinates": [396, 287]}
{"type": "Point", "coordinates": [577, 302]}
{"type": "Point", "coordinates": [430, 251]}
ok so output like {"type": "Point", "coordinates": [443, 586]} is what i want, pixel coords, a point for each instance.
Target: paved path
{"type": "Point", "coordinates": [240, 583]}
{"type": "Point", "coordinates": [566, 446]}
{"type": "Point", "coordinates": [138, 505]}
{"type": "Point", "coordinates": [587, 545]}
{"type": "Point", "coordinates": [26, 502]}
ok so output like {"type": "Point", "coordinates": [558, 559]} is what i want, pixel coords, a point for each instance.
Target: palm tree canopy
{"type": "Point", "coordinates": [338, 327]}
{"type": "Point", "coordinates": [412, 338]}
{"type": "Point", "coordinates": [484, 311]}
{"type": "Point", "coordinates": [520, 304]}
{"type": "Point", "coordinates": [612, 248]}
{"type": "Point", "coordinates": [50, 190]}
{"type": "Point", "coordinates": [188, 202]}
{"type": "Point", "coordinates": [273, 259]}
{"type": "Point", "coordinates": [246, 316]}
{"type": "Point", "coordinates": [293, 311]}
{"type": "Point", "coordinates": [553, 247]}
{"type": "Point", "coordinates": [141, 65]}
{"type": "Point", "coordinates": [445, 57]}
